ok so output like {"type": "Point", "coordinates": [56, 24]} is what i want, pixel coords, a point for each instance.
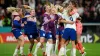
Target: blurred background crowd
{"type": "Point", "coordinates": [89, 10]}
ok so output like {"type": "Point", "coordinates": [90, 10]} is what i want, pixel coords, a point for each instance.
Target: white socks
{"type": "Point", "coordinates": [21, 50]}
{"type": "Point", "coordinates": [56, 46]}
{"type": "Point", "coordinates": [62, 51]}
{"type": "Point", "coordinates": [65, 51]}
{"type": "Point", "coordinates": [29, 51]}
{"type": "Point", "coordinates": [49, 48]}
{"type": "Point", "coordinates": [53, 49]}
{"type": "Point", "coordinates": [15, 52]}
{"type": "Point", "coordinates": [37, 46]}
{"type": "Point", "coordinates": [43, 49]}
{"type": "Point", "coordinates": [73, 52]}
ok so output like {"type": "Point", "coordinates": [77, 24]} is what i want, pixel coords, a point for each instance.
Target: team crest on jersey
{"type": "Point", "coordinates": [50, 36]}
{"type": "Point", "coordinates": [30, 36]}
{"type": "Point", "coordinates": [43, 34]}
{"type": "Point", "coordinates": [20, 32]}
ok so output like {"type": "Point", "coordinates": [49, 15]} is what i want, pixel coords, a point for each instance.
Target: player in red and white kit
{"type": "Point", "coordinates": [79, 28]}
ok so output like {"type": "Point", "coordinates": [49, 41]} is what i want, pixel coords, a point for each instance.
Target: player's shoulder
{"type": "Point", "coordinates": [59, 13]}
{"type": "Point", "coordinates": [45, 14]}
{"type": "Point", "coordinates": [76, 15]}
{"type": "Point", "coordinates": [65, 16]}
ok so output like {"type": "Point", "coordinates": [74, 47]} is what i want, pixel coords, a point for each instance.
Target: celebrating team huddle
{"type": "Point", "coordinates": [59, 26]}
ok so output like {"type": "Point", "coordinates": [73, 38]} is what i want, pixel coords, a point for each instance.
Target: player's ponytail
{"type": "Point", "coordinates": [11, 9]}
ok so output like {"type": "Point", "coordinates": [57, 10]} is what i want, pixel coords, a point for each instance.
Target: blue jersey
{"type": "Point", "coordinates": [16, 28]}
{"type": "Point", "coordinates": [30, 27]}
{"type": "Point", "coordinates": [24, 21]}
{"type": "Point", "coordinates": [16, 25]}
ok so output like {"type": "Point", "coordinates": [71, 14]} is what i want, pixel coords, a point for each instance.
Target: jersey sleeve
{"type": "Point", "coordinates": [45, 19]}
{"type": "Point", "coordinates": [15, 23]}
{"type": "Point", "coordinates": [63, 16]}
{"type": "Point", "coordinates": [24, 19]}
{"type": "Point", "coordinates": [77, 15]}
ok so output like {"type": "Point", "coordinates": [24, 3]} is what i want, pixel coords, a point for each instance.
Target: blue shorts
{"type": "Point", "coordinates": [59, 32]}
{"type": "Point", "coordinates": [69, 34]}
{"type": "Point", "coordinates": [17, 33]}
{"type": "Point", "coordinates": [32, 36]}
{"type": "Point", "coordinates": [46, 35]}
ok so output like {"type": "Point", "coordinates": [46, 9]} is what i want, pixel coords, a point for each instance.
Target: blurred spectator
{"type": "Point", "coordinates": [19, 3]}
{"type": "Point", "coordinates": [25, 2]}
{"type": "Point", "coordinates": [32, 4]}
{"type": "Point", "coordinates": [39, 11]}
{"type": "Point", "coordinates": [6, 21]}
{"type": "Point", "coordinates": [1, 22]}
{"type": "Point", "coordinates": [89, 10]}
{"type": "Point", "coordinates": [14, 3]}
{"type": "Point", "coordinates": [2, 13]}
{"type": "Point", "coordinates": [80, 10]}
{"type": "Point", "coordinates": [66, 1]}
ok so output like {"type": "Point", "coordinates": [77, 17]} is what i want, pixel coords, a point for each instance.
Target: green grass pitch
{"type": "Point", "coordinates": [7, 49]}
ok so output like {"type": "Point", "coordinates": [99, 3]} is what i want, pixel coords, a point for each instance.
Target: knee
{"type": "Point", "coordinates": [50, 41]}
{"type": "Point", "coordinates": [42, 41]}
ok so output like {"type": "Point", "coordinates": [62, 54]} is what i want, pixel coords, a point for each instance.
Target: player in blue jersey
{"type": "Point", "coordinates": [16, 30]}
{"type": "Point", "coordinates": [30, 28]}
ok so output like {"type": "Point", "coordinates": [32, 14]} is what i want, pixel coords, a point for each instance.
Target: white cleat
{"type": "Point", "coordinates": [34, 54]}
{"type": "Point", "coordinates": [61, 54]}
{"type": "Point", "coordinates": [53, 55]}
{"type": "Point", "coordinates": [84, 54]}
{"type": "Point", "coordinates": [15, 54]}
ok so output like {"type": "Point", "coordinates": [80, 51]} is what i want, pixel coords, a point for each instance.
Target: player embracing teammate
{"type": "Point", "coordinates": [16, 29]}
{"type": "Point", "coordinates": [71, 33]}
{"type": "Point", "coordinates": [55, 24]}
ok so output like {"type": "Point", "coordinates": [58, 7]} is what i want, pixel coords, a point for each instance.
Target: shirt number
{"type": "Point", "coordinates": [71, 18]}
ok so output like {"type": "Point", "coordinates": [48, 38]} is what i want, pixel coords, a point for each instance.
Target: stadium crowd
{"type": "Point", "coordinates": [55, 18]}
{"type": "Point", "coordinates": [89, 10]}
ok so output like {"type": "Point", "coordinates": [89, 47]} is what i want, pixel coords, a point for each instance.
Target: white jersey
{"type": "Point", "coordinates": [72, 18]}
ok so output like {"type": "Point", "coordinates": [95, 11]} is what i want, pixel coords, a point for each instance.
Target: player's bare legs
{"type": "Point", "coordinates": [31, 47]}
{"type": "Point", "coordinates": [21, 38]}
{"type": "Point", "coordinates": [62, 49]}
{"type": "Point", "coordinates": [42, 40]}
{"type": "Point", "coordinates": [73, 50]}
{"type": "Point", "coordinates": [20, 46]}
{"type": "Point", "coordinates": [57, 41]}
{"type": "Point", "coordinates": [79, 45]}
{"type": "Point", "coordinates": [49, 47]}
{"type": "Point", "coordinates": [17, 48]}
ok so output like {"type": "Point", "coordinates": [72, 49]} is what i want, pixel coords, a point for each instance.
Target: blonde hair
{"type": "Point", "coordinates": [26, 8]}
{"type": "Point", "coordinates": [13, 9]}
